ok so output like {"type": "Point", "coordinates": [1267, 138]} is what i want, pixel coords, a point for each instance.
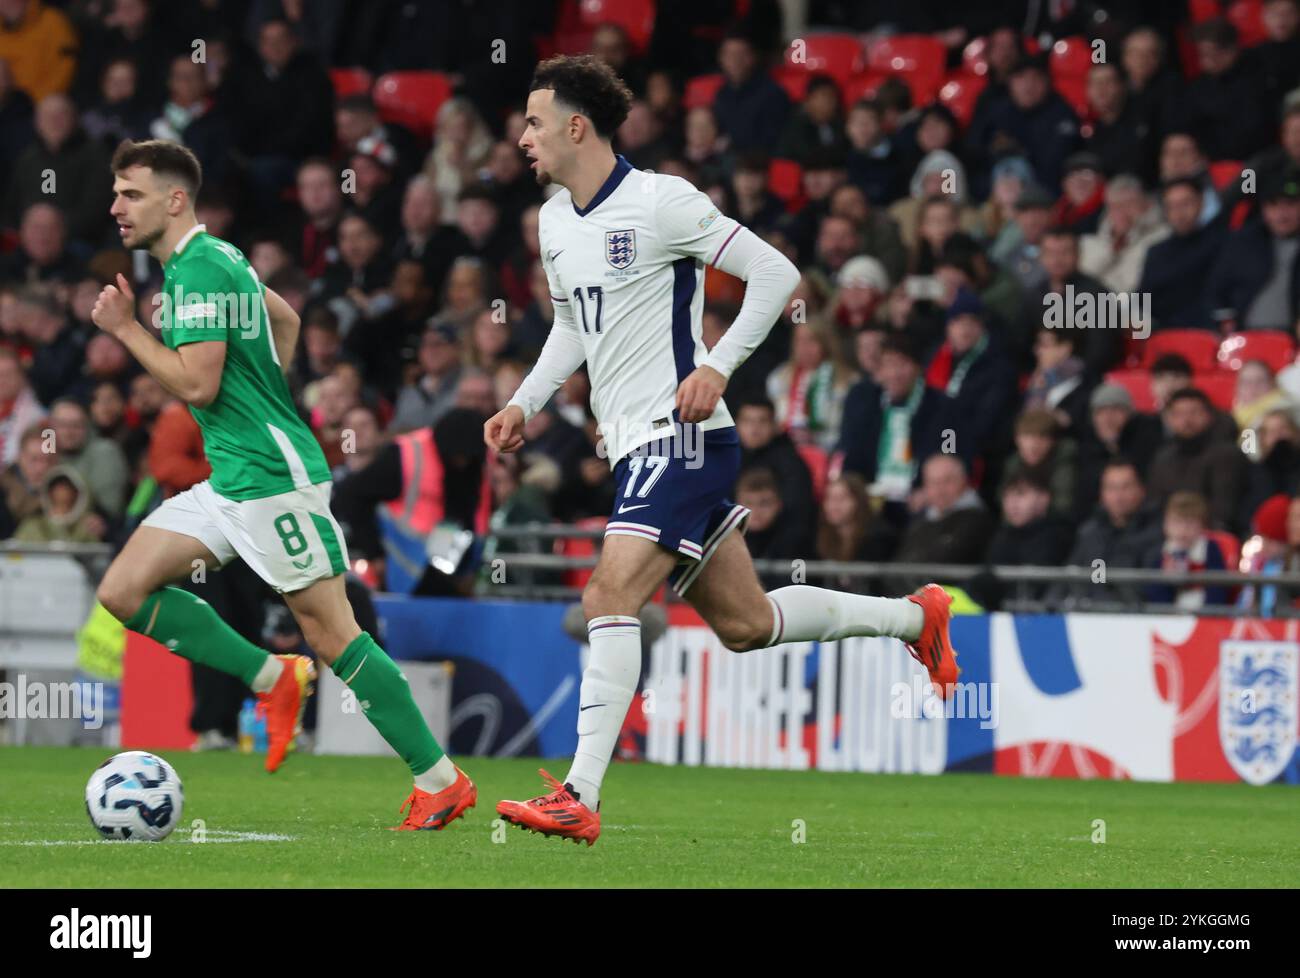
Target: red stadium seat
{"type": "Point", "coordinates": [785, 179]}
{"type": "Point", "coordinates": [701, 91]}
{"type": "Point", "coordinates": [636, 17]}
{"type": "Point", "coordinates": [865, 86]}
{"type": "Point", "coordinates": [1071, 57]}
{"type": "Point", "coordinates": [1248, 17]}
{"type": "Point", "coordinates": [1219, 386]}
{"type": "Point", "coordinates": [975, 57]}
{"type": "Point", "coordinates": [1275, 349]}
{"type": "Point", "coordinates": [818, 463]}
{"type": "Point", "coordinates": [793, 80]}
{"type": "Point", "coordinates": [412, 98]}
{"type": "Point", "coordinates": [1074, 89]}
{"type": "Point", "coordinates": [1224, 172]}
{"type": "Point", "coordinates": [350, 81]}
{"type": "Point", "coordinates": [959, 94]}
{"type": "Point", "coordinates": [838, 55]}
{"type": "Point", "coordinates": [1200, 10]}
{"type": "Point", "coordinates": [924, 88]}
{"type": "Point", "coordinates": [569, 34]}
{"type": "Point", "coordinates": [861, 86]}
{"type": "Point", "coordinates": [918, 58]}
{"type": "Point", "coordinates": [1199, 346]}
{"type": "Point", "coordinates": [1138, 384]}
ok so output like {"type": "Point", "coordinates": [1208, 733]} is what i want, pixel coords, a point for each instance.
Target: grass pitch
{"type": "Point", "coordinates": [320, 822]}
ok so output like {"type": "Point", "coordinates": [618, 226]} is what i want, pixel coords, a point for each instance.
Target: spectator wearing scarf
{"type": "Point", "coordinates": [809, 389]}
{"type": "Point", "coordinates": [893, 422]}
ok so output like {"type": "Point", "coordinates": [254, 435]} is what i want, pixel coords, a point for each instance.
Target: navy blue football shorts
{"type": "Point", "coordinates": [675, 491]}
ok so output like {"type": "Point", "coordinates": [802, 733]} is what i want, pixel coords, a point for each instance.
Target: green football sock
{"type": "Point", "coordinates": [385, 699]}
{"type": "Point", "coordinates": [188, 626]}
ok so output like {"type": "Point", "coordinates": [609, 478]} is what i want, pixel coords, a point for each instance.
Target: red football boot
{"type": "Point", "coordinates": [284, 704]}
{"type": "Point", "coordinates": [559, 814]}
{"type": "Point", "coordinates": [433, 812]}
{"type": "Point", "coordinates": [934, 649]}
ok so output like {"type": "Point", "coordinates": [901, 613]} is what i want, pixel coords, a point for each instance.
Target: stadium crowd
{"type": "Point", "coordinates": [915, 403]}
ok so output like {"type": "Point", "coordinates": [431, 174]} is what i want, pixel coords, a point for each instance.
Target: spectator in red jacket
{"type": "Point", "coordinates": [176, 457]}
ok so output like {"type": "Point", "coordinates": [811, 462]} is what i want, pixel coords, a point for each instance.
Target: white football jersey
{"type": "Point", "coordinates": [627, 280]}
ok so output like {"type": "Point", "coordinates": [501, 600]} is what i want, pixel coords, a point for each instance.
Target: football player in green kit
{"type": "Point", "coordinates": [225, 344]}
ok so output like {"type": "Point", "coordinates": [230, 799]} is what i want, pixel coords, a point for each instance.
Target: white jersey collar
{"type": "Point", "coordinates": [180, 245]}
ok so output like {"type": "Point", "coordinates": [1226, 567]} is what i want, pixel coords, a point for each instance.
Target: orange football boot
{"type": "Point", "coordinates": [934, 649]}
{"type": "Point", "coordinates": [434, 812]}
{"type": "Point", "coordinates": [559, 814]}
{"type": "Point", "coordinates": [284, 704]}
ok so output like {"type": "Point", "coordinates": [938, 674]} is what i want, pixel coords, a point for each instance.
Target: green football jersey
{"type": "Point", "coordinates": [255, 441]}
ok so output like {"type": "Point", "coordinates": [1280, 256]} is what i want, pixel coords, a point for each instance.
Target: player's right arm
{"type": "Point", "coordinates": [191, 372]}
{"type": "Point", "coordinates": [561, 355]}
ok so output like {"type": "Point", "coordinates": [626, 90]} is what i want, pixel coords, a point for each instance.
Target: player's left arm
{"type": "Point", "coordinates": [692, 225]}
{"type": "Point", "coordinates": [191, 372]}
{"type": "Point", "coordinates": [285, 324]}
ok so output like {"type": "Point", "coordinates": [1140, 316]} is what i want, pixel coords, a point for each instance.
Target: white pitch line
{"type": "Point", "coordinates": [214, 836]}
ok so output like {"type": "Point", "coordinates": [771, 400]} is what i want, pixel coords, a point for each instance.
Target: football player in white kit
{"type": "Point", "coordinates": [624, 252]}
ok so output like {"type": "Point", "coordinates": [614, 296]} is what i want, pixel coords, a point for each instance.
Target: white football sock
{"type": "Point", "coordinates": [608, 685]}
{"type": "Point", "coordinates": [441, 775]}
{"type": "Point", "coordinates": [267, 676]}
{"type": "Point", "coordinates": [804, 614]}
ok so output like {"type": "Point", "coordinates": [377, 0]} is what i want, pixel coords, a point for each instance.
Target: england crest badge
{"type": "Point", "coordinates": [620, 248]}
{"type": "Point", "coordinates": [1258, 687]}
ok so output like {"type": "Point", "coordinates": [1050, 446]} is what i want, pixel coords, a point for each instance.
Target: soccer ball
{"type": "Point", "coordinates": [134, 795]}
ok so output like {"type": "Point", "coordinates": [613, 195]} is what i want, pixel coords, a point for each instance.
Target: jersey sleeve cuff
{"type": "Point", "coordinates": [180, 337]}
{"type": "Point", "coordinates": [515, 402]}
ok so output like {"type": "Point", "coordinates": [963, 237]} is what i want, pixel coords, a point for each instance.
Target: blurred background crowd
{"type": "Point", "coordinates": [937, 171]}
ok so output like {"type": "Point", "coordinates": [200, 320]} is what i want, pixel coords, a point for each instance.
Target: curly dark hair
{"type": "Point", "coordinates": [589, 86]}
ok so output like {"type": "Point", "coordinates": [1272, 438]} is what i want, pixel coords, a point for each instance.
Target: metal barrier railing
{"type": "Point", "coordinates": [1074, 587]}
{"type": "Point", "coordinates": [94, 557]}
{"type": "Point", "coordinates": [58, 547]}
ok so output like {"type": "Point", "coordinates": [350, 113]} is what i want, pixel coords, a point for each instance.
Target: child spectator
{"type": "Point", "coordinates": [1188, 548]}
{"type": "Point", "coordinates": [65, 515]}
